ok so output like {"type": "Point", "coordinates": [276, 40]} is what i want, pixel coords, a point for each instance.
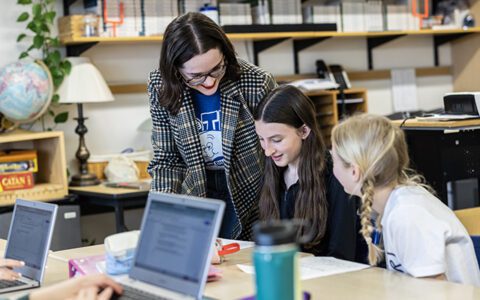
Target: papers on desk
{"type": "Point", "coordinates": [243, 244]}
{"type": "Point", "coordinates": [445, 117]}
{"type": "Point", "coordinates": [315, 266]}
{"type": "Point", "coordinates": [404, 89]}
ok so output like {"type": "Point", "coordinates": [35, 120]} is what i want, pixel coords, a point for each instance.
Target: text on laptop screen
{"type": "Point", "coordinates": [29, 235]}
{"type": "Point", "coordinates": [174, 240]}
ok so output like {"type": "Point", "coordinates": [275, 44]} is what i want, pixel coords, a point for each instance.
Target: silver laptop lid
{"type": "Point", "coordinates": [29, 236]}
{"type": "Point", "coordinates": [174, 249]}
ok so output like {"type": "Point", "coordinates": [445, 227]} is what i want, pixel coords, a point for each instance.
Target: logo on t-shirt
{"type": "Point", "coordinates": [207, 112]}
{"type": "Point", "coordinates": [211, 138]}
{"type": "Point", "coordinates": [393, 263]}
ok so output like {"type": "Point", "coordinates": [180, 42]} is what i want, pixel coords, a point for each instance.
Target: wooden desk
{"type": "Point", "coordinates": [438, 125]}
{"type": "Point", "coordinates": [372, 283]}
{"type": "Point", "coordinates": [444, 152]}
{"type": "Point", "coordinates": [118, 198]}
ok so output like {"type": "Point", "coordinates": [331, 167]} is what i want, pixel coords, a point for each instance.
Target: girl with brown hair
{"type": "Point", "coordinates": [298, 182]}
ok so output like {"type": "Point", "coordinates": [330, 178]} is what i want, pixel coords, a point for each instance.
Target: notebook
{"type": "Point", "coordinates": [29, 240]}
{"type": "Point", "coordinates": [174, 249]}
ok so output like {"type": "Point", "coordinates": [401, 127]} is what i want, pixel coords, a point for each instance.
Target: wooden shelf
{"type": "Point", "coordinates": [68, 40]}
{"type": "Point", "coordinates": [76, 45]}
{"type": "Point", "coordinates": [51, 179]}
{"type": "Point", "coordinates": [329, 111]}
{"type": "Point", "coordinates": [452, 124]}
{"type": "Point", "coordinates": [373, 74]}
{"type": "Point", "coordinates": [133, 88]}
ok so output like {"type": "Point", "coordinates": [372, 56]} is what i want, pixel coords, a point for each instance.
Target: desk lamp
{"type": "Point", "coordinates": [85, 84]}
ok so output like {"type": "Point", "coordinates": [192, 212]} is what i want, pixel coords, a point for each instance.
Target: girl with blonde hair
{"type": "Point", "coordinates": [421, 236]}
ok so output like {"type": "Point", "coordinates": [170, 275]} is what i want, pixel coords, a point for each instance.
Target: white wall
{"type": "Point", "coordinates": [114, 126]}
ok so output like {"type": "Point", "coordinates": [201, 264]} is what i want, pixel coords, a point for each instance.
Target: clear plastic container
{"type": "Point", "coordinates": [90, 25]}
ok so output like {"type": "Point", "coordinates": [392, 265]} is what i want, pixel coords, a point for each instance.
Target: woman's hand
{"type": "Point", "coordinates": [97, 286]}
{"type": "Point", "coordinates": [6, 266]}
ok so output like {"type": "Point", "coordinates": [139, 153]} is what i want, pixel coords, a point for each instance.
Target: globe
{"type": "Point", "coordinates": [26, 89]}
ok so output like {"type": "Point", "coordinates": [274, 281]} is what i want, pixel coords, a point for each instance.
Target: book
{"type": "Point", "coordinates": [85, 265]}
{"type": "Point", "coordinates": [16, 181]}
{"type": "Point", "coordinates": [18, 166]}
{"type": "Point", "coordinates": [18, 161]}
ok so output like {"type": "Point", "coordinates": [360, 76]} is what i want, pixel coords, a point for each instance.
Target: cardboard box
{"type": "Point", "coordinates": [16, 181]}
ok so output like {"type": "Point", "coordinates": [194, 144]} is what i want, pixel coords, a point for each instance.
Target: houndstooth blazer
{"type": "Point", "coordinates": [178, 165]}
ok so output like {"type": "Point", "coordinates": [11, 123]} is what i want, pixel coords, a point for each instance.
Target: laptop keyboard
{"type": "Point", "coordinates": [135, 294]}
{"type": "Point", "coordinates": [10, 283]}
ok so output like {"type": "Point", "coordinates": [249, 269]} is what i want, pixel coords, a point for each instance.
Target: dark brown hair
{"type": "Point", "coordinates": [288, 105]}
{"type": "Point", "coordinates": [186, 36]}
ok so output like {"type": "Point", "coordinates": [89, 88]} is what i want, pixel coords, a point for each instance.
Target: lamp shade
{"type": "Point", "coordinates": [84, 84]}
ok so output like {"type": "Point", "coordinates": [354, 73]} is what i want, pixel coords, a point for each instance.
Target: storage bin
{"type": "Point", "coordinates": [97, 163]}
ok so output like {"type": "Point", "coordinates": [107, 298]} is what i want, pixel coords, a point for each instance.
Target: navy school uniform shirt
{"type": "Point", "coordinates": [342, 239]}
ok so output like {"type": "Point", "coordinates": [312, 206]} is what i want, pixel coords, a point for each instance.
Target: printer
{"type": "Point", "coordinates": [464, 103]}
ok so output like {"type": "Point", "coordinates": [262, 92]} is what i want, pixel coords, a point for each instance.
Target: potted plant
{"type": "Point", "coordinates": [39, 18]}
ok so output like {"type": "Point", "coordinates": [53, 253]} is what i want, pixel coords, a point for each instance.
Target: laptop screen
{"type": "Point", "coordinates": [175, 242]}
{"type": "Point", "coordinates": [29, 237]}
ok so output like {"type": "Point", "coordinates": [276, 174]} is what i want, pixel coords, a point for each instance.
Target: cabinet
{"type": "Point", "coordinates": [330, 107]}
{"type": "Point", "coordinates": [51, 178]}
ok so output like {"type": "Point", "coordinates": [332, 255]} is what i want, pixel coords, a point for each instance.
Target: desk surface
{"type": "Point", "coordinates": [372, 283]}
{"type": "Point", "coordinates": [101, 189]}
{"type": "Point", "coordinates": [453, 124]}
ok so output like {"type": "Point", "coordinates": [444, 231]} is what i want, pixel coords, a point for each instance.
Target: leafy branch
{"type": "Point", "coordinates": [40, 20]}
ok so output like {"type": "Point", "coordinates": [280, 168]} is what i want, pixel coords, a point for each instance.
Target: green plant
{"type": "Point", "coordinates": [40, 20]}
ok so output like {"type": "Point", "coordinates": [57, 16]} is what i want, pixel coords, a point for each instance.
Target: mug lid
{"type": "Point", "coordinates": [275, 233]}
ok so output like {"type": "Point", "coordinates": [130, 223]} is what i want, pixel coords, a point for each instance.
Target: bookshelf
{"type": "Point", "coordinates": [70, 41]}
{"type": "Point", "coordinates": [303, 39]}
{"type": "Point", "coordinates": [330, 108]}
{"type": "Point", "coordinates": [51, 178]}
{"type": "Point", "coordinates": [464, 42]}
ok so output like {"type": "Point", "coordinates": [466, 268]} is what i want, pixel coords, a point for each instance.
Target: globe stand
{"type": "Point", "coordinates": [82, 154]}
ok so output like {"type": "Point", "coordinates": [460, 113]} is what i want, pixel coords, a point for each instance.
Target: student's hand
{"type": "Point", "coordinates": [85, 287]}
{"type": "Point", "coordinates": [92, 293]}
{"type": "Point", "coordinates": [6, 272]}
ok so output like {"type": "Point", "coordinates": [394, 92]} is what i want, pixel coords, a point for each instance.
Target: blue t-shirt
{"type": "Point", "coordinates": [208, 117]}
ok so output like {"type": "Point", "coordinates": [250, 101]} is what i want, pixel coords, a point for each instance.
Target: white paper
{"type": "Point", "coordinates": [446, 117]}
{"type": "Point", "coordinates": [243, 244]}
{"type": "Point", "coordinates": [404, 90]}
{"type": "Point", "coordinates": [313, 267]}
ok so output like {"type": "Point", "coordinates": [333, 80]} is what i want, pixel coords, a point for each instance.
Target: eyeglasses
{"type": "Point", "coordinates": [216, 72]}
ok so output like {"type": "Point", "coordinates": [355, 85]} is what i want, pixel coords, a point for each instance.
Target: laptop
{"type": "Point", "coordinates": [174, 248]}
{"type": "Point", "coordinates": [29, 240]}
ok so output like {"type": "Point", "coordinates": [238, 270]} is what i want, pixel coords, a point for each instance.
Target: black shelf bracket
{"type": "Point", "coordinates": [259, 46]}
{"type": "Point", "coordinates": [299, 45]}
{"type": "Point", "coordinates": [439, 40]}
{"type": "Point", "coordinates": [373, 42]}
{"type": "Point", "coordinates": [66, 6]}
{"type": "Point", "coordinates": [76, 50]}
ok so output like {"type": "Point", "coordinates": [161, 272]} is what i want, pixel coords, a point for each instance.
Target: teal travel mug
{"type": "Point", "coordinates": [276, 261]}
